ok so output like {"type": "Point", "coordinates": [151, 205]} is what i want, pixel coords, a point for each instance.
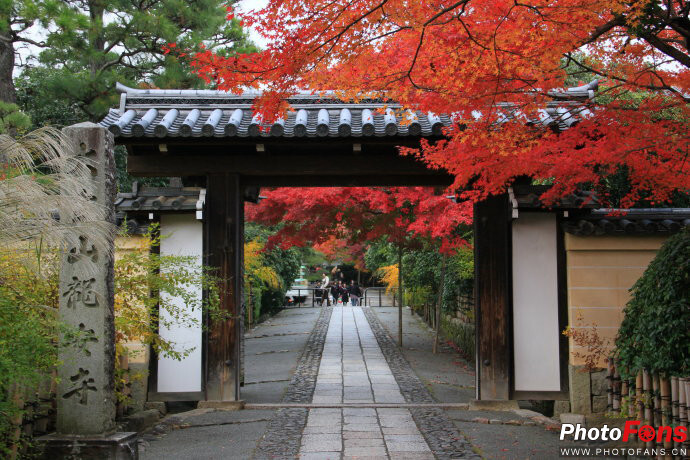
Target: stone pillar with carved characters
{"type": "Point", "coordinates": [86, 398]}
{"type": "Point", "coordinates": [85, 393]}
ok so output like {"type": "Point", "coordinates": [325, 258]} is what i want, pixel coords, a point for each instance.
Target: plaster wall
{"type": "Point", "coordinates": [601, 270]}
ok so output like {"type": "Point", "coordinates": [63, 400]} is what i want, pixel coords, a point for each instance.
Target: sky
{"type": "Point", "coordinates": [246, 5]}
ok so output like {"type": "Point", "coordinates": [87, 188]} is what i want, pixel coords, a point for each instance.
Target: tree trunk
{"type": "Point", "coordinates": [401, 299]}
{"type": "Point", "coordinates": [97, 55]}
{"type": "Point", "coordinates": [439, 302]}
{"type": "Point", "coordinates": [7, 91]}
{"type": "Point", "coordinates": [96, 13]}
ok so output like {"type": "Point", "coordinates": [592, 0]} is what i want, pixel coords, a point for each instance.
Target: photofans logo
{"type": "Point", "coordinates": [664, 435]}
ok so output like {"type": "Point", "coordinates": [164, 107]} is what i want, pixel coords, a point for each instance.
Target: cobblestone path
{"type": "Point", "coordinates": [359, 366]}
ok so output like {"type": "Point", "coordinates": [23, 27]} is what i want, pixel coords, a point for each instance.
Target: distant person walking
{"type": "Point", "coordinates": [344, 294]}
{"type": "Point", "coordinates": [324, 290]}
{"type": "Point", "coordinates": [355, 293]}
{"type": "Point", "coordinates": [335, 293]}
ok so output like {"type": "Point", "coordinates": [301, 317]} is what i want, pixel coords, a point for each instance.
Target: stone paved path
{"type": "Point", "coordinates": [353, 369]}
{"type": "Point", "coordinates": [337, 356]}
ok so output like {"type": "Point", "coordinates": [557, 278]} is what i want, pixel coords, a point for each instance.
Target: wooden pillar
{"type": "Point", "coordinates": [224, 216]}
{"type": "Point", "coordinates": [493, 287]}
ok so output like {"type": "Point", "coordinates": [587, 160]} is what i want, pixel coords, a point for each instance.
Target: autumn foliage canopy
{"type": "Point", "coordinates": [340, 221]}
{"type": "Point", "coordinates": [468, 57]}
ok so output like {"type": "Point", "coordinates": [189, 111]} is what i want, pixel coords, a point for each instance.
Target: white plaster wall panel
{"type": "Point", "coordinates": [182, 236]}
{"type": "Point", "coordinates": [535, 303]}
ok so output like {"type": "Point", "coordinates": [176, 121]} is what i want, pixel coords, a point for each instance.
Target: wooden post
{"type": "Point", "coordinates": [639, 398]}
{"type": "Point", "coordinates": [667, 417]}
{"type": "Point", "coordinates": [224, 246]}
{"type": "Point", "coordinates": [401, 299]}
{"type": "Point", "coordinates": [631, 397]}
{"type": "Point", "coordinates": [609, 384]}
{"type": "Point", "coordinates": [493, 287]}
{"type": "Point", "coordinates": [674, 401]}
{"type": "Point", "coordinates": [439, 302]}
{"type": "Point", "coordinates": [616, 381]}
{"type": "Point", "coordinates": [656, 388]}
{"type": "Point", "coordinates": [624, 399]}
{"type": "Point", "coordinates": [648, 402]}
{"type": "Point", "coordinates": [684, 389]}
{"type": "Point", "coordinates": [682, 407]}
{"type": "Point", "coordinates": [250, 308]}
{"type": "Point", "coordinates": [665, 392]}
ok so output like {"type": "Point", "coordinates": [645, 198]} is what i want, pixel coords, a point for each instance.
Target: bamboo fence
{"type": "Point", "coordinates": [654, 400]}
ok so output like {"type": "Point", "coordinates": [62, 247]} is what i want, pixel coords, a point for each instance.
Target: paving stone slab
{"type": "Point", "coordinates": [374, 427]}
{"type": "Point", "coordinates": [364, 442]}
{"type": "Point", "coordinates": [440, 434]}
{"type": "Point", "coordinates": [320, 444]}
{"type": "Point", "coordinates": [282, 438]}
{"type": "Point", "coordinates": [362, 435]}
{"type": "Point", "coordinates": [361, 457]}
{"type": "Point", "coordinates": [359, 412]}
{"type": "Point", "coordinates": [334, 429]}
{"type": "Point", "coordinates": [354, 419]}
{"type": "Point", "coordinates": [365, 451]}
{"type": "Point", "coordinates": [320, 456]}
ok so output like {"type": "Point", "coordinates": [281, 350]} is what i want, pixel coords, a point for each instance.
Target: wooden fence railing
{"type": "Point", "coordinates": [652, 399]}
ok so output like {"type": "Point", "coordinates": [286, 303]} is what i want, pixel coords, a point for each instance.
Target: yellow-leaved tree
{"type": "Point", "coordinates": [389, 276]}
{"type": "Point", "coordinates": [258, 276]}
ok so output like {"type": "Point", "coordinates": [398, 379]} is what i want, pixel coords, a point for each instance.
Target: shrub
{"type": "Point", "coordinates": [28, 332]}
{"type": "Point", "coordinates": [654, 334]}
{"type": "Point", "coordinates": [258, 278]}
{"type": "Point", "coordinates": [145, 285]}
{"type": "Point", "coordinates": [462, 335]}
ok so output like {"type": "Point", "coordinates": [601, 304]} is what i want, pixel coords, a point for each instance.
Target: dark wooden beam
{"type": "Point", "coordinates": [175, 144]}
{"type": "Point", "coordinates": [493, 287]}
{"type": "Point", "coordinates": [380, 180]}
{"type": "Point", "coordinates": [224, 246]}
{"type": "Point", "coordinates": [276, 165]}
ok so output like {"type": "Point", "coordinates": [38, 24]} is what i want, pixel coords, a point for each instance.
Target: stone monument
{"type": "Point", "coordinates": [85, 393]}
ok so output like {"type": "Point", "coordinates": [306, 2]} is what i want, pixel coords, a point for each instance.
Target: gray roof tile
{"type": "Point", "coordinates": [206, 113]}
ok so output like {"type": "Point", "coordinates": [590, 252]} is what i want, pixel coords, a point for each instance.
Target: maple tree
{"type": "Point", "coordinates": [344, 219]}
{"type": "Point", "coordinates": [336, 216]}
{"type": "Point", "coordinates": [490, 63]}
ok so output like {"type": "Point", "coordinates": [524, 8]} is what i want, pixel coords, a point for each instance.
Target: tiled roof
{"type": "Point", "coordinates": [527, 196]}
{"type": "Point", "coordinates": [158, 199]}
{"type": "Point", "coordinates": [586, 217]}
{"type": "Point", "coordinates": [134, 207]}
{"type": "Point", "coordinates": [629, 222]}
{"type": "Point", "coordinates": [154, 113]}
